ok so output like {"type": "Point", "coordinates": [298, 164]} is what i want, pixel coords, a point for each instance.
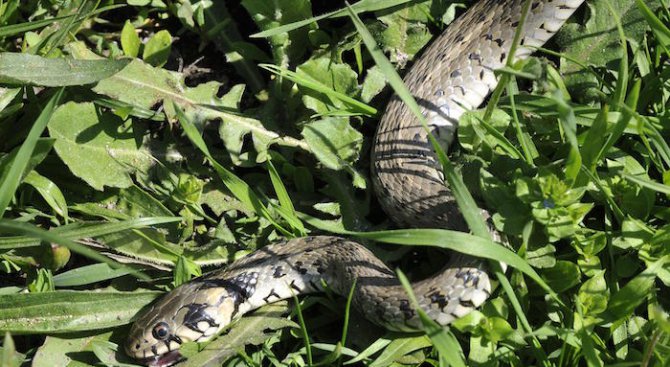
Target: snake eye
{"type": "Point", "coordinates": [161, 331]}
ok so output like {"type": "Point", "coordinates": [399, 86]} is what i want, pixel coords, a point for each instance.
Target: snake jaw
{"type": "Point", "coordinates": [193, 312]}
{"type": "Point", "coordinates": [164, 360]}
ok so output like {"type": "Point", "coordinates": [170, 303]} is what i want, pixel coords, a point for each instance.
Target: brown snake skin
{"type": "Point", "coordinates": [454, 74]}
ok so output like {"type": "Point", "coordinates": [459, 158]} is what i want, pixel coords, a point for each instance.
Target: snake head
{"type": "Point", "coordinates": [193, 312]}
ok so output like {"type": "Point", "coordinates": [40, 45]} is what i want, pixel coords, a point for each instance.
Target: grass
{"type": "Point", "coordinates": [171, 173]}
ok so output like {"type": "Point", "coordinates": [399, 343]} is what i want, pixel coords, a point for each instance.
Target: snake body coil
{"type": "Point", "coordinates": [454, 74]}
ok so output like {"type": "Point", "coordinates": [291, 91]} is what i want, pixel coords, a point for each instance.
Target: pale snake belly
{"type": "Point", "coordinates": [453, 75]}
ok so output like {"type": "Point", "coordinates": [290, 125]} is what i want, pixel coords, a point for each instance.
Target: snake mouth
{"type": "Point", "coordinates": [164, 360]}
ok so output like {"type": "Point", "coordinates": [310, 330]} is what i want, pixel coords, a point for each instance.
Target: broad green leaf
{"type": "Point", "coordinates": [142, 245]}
{"type": "Point", "coordinates": [623, 302]}
{"type": "Point", "coordinates": [326, 86]}
{"type": "Point", "coordinates": [130, 41]}
{"type": "Point", "coordinates": [233, 135]}
{"type": "Point", "coordinates": [37, 233]}
{"type": "Point", "coordinates": [562, 276]}
{"type": "Point", "coordinates": [593, 295]}
{"type": "Point", "coordinates": [110, 353]}
{"type": "Point", "coordinates": [49, 192]}
{"type": "Point", "coordinates": [70, 350]}
{"type": "Point", "coordinates": [405, 31]}
{"type": "Point", "coordinates": [69, 311]}
{"type": "Point", "coordinates": [9, 357]}
{"type": "Point", "coordinates": [139, 203]}
{"type": "Point", "coordinates": [375, 347]}
{"type": "Point", "coordinates": [185, 270]}
{"type": "Point", "coordinates": [634, 233]}
{"type": "Point", "coordinates": [373, 84]}
{"type": "Point", "coordinates": [157, 49]}
{"type": "Point", "coordinates": [97, 146]}
{"type": "Point", "coordinates": [334, 142]}
{"type": "Point", "coordinates": [542, 257]}
{"type": "Point", "coordinates": [22, 68]}
{"type": "Point", "coordinates": [220, 200]}
{"type": "Point", "coordinates": [8, 103]}
{"type": "Point", "coordinates": [286, 46]}
{"type": "Point", "coordinates": [140, 84]}
{"type": "Point", "coordinates": [625, 185]}
{"type": "Point", "coordinates": [597, 42]}
{"type": "Point", "coordinates": [143, 86]}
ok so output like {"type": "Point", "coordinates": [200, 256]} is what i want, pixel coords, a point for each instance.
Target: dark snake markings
{"type": "Point", "coordinates": [454, 74]}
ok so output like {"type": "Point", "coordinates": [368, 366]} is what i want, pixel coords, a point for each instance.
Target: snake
{"type": "Point", "coordinates": [453, 75]}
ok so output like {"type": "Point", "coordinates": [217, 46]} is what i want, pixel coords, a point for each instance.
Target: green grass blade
{"type": "Point", "coordinates": [303, 330]}
{"type": "Point", "coordinates": [626, 115]}
{"type": "Point", "coordinates": [14, 29]}
{"type": "Point", "coordinates": [79, 231]}
{"type": "Point", "coordinates": [27, 229]}
{"type": "Point", "coordinates": [524, 140]}
{"type": "Point", "coordinates": [656, 186]}
{"type": "Point", "coordinates": [503, 142]}
{"type": "Point", "coordinates": [375, 347]}
{"type": "Point", "coordinates": [316, 86]}
{"type": "Point", "coordinates": [443, 340]}
{"type": "Point", "coordinates": [359, 7]}
{"type": "Point", "coordinates": [347, 309]}
{"type": "Point", "coordinates": [635, 291]}
{"type": "Point", "coordinates": [622, 77]}
{"type": "Point", "coordinates": [11, 180]}
{"type": "Point", "coordinates": [661, 31]}
{"type": "Point", "coordinates": [569, 124]}
{"type": "Point", "coordinates": [287, 209]}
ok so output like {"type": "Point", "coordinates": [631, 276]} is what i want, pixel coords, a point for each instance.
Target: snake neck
{"type": "Point", "coordinates": [306, 265]}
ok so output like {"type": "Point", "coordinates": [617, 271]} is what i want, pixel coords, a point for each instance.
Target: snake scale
{"type": "Point", "coordinates": [453, 75]}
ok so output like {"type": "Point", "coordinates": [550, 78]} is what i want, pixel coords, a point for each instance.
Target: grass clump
{"type": "Point", "coordinates": [177, 136]}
